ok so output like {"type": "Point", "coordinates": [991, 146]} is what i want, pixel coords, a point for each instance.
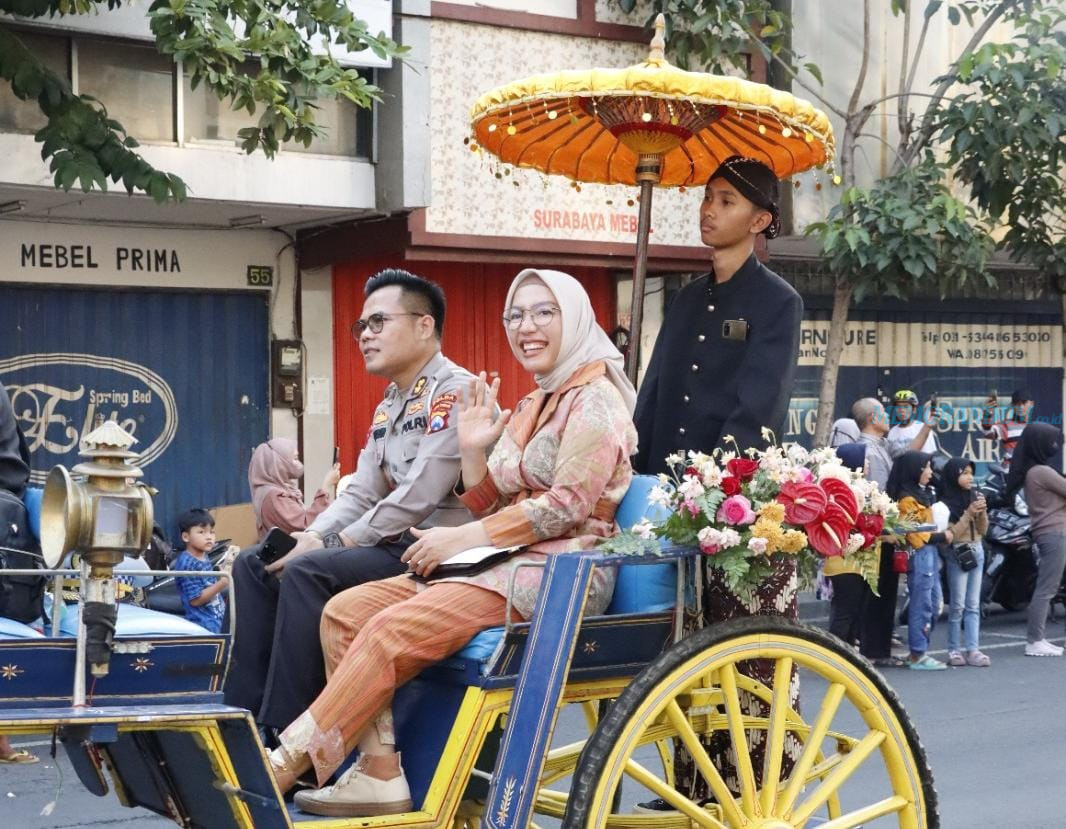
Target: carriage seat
{"type": "Point", "coordinates": [639, 588]}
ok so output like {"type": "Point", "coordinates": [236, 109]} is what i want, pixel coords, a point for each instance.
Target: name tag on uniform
{"type": "Point", "coordinates": [735, 330]}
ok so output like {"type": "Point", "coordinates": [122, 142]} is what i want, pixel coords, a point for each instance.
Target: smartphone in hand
{"type": "Point", "coordinates": [276, 544]}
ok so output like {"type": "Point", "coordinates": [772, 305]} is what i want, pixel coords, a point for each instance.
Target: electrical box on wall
{"type": "Point", "coordinates": [287, 374]}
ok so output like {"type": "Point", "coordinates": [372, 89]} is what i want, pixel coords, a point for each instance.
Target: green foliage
{"type": "Point", "coordinates": [216, 41]}
{"type": "Point", "coordinates": [1006, 139]}
{"type": "Point", "coordinates": [904, 228]}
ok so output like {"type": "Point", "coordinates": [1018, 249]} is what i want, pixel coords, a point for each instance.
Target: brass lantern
{"type": "Point", "coordinates": [102, 517]}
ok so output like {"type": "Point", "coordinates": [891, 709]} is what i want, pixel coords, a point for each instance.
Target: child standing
{"type": "Point", "coordinates": [908, 483]}
{"type": "Point", "coordinates": [201, 596]}
{"type": "Point", "coordinates": [968, 521]}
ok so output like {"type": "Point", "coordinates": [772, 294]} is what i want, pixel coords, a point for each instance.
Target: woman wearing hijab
{"type": "Point", "coordinates": [845, 430]}
{"type": "Point", "coordinates": [908, 484]}
{"type": "Point", "coordinates": [850, 590]}
{"type": "Point", "coordinates": [968, 521]}
{"type": "Point", "coordinates": [276, 499]}
{"type": "Point", "coordinates": [1045, 493]}
{"type": "Point", "coordinates": [557, 472]}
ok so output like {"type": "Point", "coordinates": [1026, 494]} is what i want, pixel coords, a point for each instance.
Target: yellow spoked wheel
{"type": "Point", "coordinates": [851, 759]}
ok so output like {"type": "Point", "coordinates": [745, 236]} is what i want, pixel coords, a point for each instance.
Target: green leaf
{"type": "Point", "coordinates": [815, 71]}
{"type": "Point", "coordinates": [954, 16]}
{"type": "Point", "coordinates": [932, 7]}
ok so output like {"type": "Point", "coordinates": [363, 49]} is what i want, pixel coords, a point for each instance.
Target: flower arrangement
{"type": "Point", "coordinates": [746, 511]}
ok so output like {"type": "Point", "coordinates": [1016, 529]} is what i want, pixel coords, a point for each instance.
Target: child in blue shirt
{"type": "Point", "coordinates": [201, 596]}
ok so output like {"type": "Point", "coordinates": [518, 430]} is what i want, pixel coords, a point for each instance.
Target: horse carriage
{"type": "Point", "coordinates": [141, 715]}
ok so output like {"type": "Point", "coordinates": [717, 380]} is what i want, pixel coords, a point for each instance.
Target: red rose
{"type": "Point", "coordinates": [870, 525]}
{"type": "Point", "coordinates": [828, 534]}
{"type": "Point", "coordinates": [691, 470]}
{"type": "Point", "coordinates": [803, 502]}
{"type": "Point", "coordinates": [743, 468]}
{"type": "Point", "coordinates": [841, 494]}
{"type": "Point", "coordinates": [730, 485]}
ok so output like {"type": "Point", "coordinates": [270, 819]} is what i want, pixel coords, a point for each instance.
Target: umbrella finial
{"type": "Point", "coordinates": [657, 52]}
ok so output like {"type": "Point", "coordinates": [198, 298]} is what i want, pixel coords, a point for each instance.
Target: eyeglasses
{"type": "Point", "coordinates": [375, 322]}
{"type": "Point", "coordinates": [541, 315]}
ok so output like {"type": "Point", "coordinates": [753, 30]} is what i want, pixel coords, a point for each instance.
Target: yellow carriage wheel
{"type": "Point", "coordinates": [849, 757]}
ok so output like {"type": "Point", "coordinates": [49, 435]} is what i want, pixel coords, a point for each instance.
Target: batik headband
{"type": "Point", "coordinates": [757, 183]}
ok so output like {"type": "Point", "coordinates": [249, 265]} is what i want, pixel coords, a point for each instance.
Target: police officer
{"type": "Point", "coordinates": [726, 354]}
{"type": "Point", "coordinates": [404, 477]}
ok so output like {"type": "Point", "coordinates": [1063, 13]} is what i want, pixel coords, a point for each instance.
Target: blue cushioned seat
{"type": "Point", "coordinates": [136, 621]}
{"type": "Point", "coordinates": [639, 588]}
{"type": "Point", "coordinates": [10, 629]}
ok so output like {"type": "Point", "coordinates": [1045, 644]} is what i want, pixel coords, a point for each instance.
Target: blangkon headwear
{"type": "Point", "coordinates": [757, 183]}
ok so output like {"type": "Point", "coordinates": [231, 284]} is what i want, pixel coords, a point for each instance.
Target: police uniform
{"type": "Point", "coordinates": [723, 364]}
{"type": "Point", "coordinates": [405, 477]}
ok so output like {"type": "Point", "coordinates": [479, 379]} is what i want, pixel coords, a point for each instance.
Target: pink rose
{"type": "Point", "coordinates": [690, 505]}
{"type": "Point", "coordinates": [736, 510]}
{"type": "Point", "coordinates": [804, 475]}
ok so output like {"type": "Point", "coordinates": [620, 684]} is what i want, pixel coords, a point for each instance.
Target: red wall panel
{"type": "Point", "coordinates": [473, 335]}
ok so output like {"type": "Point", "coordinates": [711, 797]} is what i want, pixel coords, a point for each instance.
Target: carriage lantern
{"type": "Point", "coordinates": [102, 516]}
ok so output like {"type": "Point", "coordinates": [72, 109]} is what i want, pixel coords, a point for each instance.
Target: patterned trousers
{"type": "Point", "coordinates": [375, 637]}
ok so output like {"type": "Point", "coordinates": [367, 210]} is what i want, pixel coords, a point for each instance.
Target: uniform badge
{"type": "Point", "coordinates": [440, 411]}
{"type": "Point", "coordinates": [380, 416]}
{"type": "Point", "coordinates": [419, 388]}
{"type": "Point", "coordinates": [415, 408]}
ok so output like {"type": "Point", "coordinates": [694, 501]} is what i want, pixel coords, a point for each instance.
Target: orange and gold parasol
{"type": "Point", "coordinates": [649, 124]}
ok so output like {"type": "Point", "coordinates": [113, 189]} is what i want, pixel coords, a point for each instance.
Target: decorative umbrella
{"type": "Point", "coordinates": [649, 124]}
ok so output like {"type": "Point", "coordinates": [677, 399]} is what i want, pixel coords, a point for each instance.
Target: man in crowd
{"type": "Point", "coordinates": [872, 421]}
{"type": "Point", "coordinates": [910, 433]}
{"type": "Point", "coordinates": [1008, 430]}
{"type": "Point", "coordinates": [404, 478]}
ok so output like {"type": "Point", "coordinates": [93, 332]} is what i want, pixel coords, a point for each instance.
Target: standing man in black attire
{"type": "Point", "coordinates": [726, 354]}
{"type": "Point", "coordinates": [723, 366]}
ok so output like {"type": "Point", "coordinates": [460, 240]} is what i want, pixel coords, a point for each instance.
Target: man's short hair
{"type": "Point", "coordinates": [420, 295]}
{"type": "Point", "coordinates": [1019, 396]}
{"type": "Point", "coordinates": [196, 517]}
{"type": "Point", "coordinates": [863, 411]}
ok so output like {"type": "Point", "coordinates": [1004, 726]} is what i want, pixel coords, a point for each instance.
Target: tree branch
{"type": "Point", "coordinates": [792, 73]}
{"type": "Point", "coordinates": [853, 103]}
{"type": "Point", "coordinates": [928, 120]}
{"type": "Point", "coordinates": [902, 106]}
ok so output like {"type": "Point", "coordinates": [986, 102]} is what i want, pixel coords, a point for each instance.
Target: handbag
{"type": "Point", "coordinates": [21, 597]}
{"type": "Point", "coordinates": [901, 561]}
{"type": "Point", "coordinates": [965, 555]}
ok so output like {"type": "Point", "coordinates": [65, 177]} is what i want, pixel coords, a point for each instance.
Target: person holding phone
{"type": "Point", "coordinates": [404, 478]}
{"type": "Point", "coordinates": [203, 597]}
{"type": "Point", "coordinates": [277, 500]}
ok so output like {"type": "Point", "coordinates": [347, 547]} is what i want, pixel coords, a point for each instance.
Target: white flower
{"type": "Point", "coordinates": [643, 528]}
{"type": "Point", "coordinates": [675, 459]}
{"type": "Point", "coordinates": [796, 453]}
{"type": "Point", "coordinates": [710, 537]}
{"type": "Point", "coordinates": [727, 457]}
{"type": "Point", "coordinates": [833, 470]}
{"type": "Point", "coordinates": [880, 502]}
{"type": "Point", "coordinates": [698, 459]}
{"type": "Point", "coordinates": [768, 435]}
{"type": "Point", "coordinates": [664, 478]}
{"type": "Point", "coordinates": [730, 538]}
{"type": "Point", "coordinates": [659, 497]}
{"type": "Point", "coordinates": [691, 488]}
{"type": "Point", "coordinates": [855, 542]}
{"type": "Point", "coordinates": [728, 439]}
{"type": "Point", "coordinates": [757, 545]}
{"type": "Point", "coordinates": [711, 474]}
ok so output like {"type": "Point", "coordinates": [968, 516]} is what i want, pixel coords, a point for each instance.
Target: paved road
{"type": "Point", "coordinates": [995, 737]}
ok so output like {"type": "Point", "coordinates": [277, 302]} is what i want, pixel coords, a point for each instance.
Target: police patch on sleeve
{"type": "Point", "coordinates": [440, 412]}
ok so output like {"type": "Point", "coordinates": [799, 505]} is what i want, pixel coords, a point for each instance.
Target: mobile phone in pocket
{"type": "Point", "coordinates": [276, 544]}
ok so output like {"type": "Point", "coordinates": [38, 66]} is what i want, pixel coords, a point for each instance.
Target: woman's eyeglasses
{"type": "Point", "coordinates": [541, 315]}
{"type": "Point", "coordinates": [375, 322]}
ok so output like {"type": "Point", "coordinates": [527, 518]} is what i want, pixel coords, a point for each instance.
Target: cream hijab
{"type": "Point", "coordinates": [583, 340]}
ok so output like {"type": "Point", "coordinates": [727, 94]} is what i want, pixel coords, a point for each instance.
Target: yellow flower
{"type": "Point", "coordinates": [773, 512]}
{"type": "Point", "coordinates": [771, 531]}
{"type": "Point", "coordinates": [794, 541]}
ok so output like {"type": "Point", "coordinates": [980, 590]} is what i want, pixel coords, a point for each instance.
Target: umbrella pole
{"type": "Point", "coordinates": [649, 170]}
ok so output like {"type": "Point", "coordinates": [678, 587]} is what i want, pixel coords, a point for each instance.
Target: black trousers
{"type": "Point", "coordinates": [277, 669]}
{"type": "Point", "coordinates": [879, 617]}
{"type": "Point", "coordinates": [850, 594]}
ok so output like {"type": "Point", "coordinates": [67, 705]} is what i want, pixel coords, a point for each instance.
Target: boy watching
{"type": "Point", "coordinates": [201, 596]}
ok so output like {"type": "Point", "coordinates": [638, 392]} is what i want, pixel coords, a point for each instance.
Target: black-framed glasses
{"type": "Point", "coordinates": [541, 315]}
{"type": "Point", "coordinates": [375, 322]}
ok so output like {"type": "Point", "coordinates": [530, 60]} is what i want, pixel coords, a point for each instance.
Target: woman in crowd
{"type": "Point", "coordinates": [968, 521]}
{"type": "Point", "coordinates": [908, 484]}
{"type": "Point", "coordinates": [558, 471]}
{"type": "Point", "coordinates": [850, 590]}
{"type": "Point", "coordinates": [278, 502]}
{"type": "Point", "coordinates": [1045, 493]}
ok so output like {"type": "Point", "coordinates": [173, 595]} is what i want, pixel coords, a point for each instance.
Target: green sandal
{"type": "Point", "coordinates": [926, 663]}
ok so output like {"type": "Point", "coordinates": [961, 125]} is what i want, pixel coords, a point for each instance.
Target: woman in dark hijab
{"type": "Point", "coordinates": [850, 590]}
{"type": "Point", "coordinates": [1045, 493]}
{"type": "Point", "coordinates": [908, 484]}
{"type": "Point", "coordinates": [967, 519]}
